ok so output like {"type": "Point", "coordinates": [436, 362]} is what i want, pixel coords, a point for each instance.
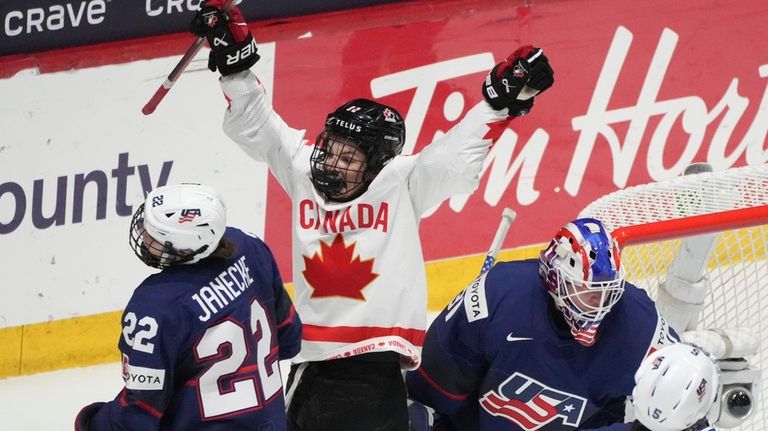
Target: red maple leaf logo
{"type": "Point", "coordinates": [334, 271]}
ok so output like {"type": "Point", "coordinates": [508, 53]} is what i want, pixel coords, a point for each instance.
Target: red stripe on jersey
{"type": "Point", "coordinates": [288, 320]}
{"type": "Point", "coordinates": [140, 404]}
{"type": "Point", "coordinates": [353, 334]}
{"type": "Point", "coordinates": [439, 388]}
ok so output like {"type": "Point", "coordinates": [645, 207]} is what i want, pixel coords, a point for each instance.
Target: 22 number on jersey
{"type": "Point", "coordinates": [217, 399]}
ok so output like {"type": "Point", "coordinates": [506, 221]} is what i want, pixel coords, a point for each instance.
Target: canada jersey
{"type": "Point", "coordinates": [495, 359]}
{"type": "Point", "coordinates": [200, 346]}
{"type": "Point", "coordinates": [358, 268]}
{"type": "Point", "coordinates": [361, 284]}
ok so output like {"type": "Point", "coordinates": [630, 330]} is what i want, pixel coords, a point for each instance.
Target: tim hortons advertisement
{"type": "Point", "coordinates": [638, 95]}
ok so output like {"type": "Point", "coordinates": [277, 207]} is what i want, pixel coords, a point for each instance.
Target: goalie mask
{"type": "Point", "coordinates": [359, 139]}
{"type": "Point", "coordinates": [675, 387]}
{"type": "Point", "coordinates": [178, 224]}
{"type": "Point", "coordinates": [583, 274]}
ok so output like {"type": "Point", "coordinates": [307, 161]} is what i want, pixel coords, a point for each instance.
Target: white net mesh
{"type": "Point", "coordinates": [736, 267]}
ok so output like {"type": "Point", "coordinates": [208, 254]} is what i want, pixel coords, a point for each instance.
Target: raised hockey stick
{"type": "Point", "coordinates": [177, 70]}
{"type": "Point", "coordinates": [507, 217]}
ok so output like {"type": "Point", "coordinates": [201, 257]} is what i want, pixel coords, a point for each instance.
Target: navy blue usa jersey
{"type": "Point", "coordinates": [500, 357]}
{"type": "Point", "coordinates": [200, 346]}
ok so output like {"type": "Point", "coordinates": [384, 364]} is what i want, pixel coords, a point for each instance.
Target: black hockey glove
{"type": "Point", "coordinates": [232, 46]}
{"type": "Point", "coordinates": [513, 82]}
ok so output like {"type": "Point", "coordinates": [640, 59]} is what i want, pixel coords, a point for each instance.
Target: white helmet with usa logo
{"type": "Point", "coordinates": [675, 387]}
{"type": "Point", "coordinates": [583, 274]}
{"type": "Point", "coordinates": [180, 223]}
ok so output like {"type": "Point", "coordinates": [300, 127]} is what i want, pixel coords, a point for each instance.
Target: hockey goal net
{"type": "Point", "coordinates": [709, 224]}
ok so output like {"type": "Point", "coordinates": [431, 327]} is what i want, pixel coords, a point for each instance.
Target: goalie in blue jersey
{"type": "Point", "coordinates": [202, 338]}
{"type": "Point", "coordinates": [547, 344]}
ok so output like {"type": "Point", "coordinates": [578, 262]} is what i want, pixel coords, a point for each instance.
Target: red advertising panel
{"type": "Point", "coordinates": [642, 89]}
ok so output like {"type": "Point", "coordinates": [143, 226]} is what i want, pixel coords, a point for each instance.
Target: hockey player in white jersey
{"type": "Point", "coordinates": [358, 269]}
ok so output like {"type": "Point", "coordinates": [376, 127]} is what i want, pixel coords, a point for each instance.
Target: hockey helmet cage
{"type": "Point", "coordinates": [181, 223]}
{"type": "Point", "coordinates": [377, 130]}
{"type": "Point", "coordinates": [583, 274]}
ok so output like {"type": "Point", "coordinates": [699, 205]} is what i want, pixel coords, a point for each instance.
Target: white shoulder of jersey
{"type": "Point", "coordinates": [260, 132]}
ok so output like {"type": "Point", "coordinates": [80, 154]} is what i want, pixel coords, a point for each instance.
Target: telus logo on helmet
{"type": "Point", "coordinates": [344, 124]}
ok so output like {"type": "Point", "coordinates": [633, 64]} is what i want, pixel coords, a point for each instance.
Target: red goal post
{"type": "Point", "coordinates": [710, 224]}
{"type": "Point", "coordinates": [690, 226]}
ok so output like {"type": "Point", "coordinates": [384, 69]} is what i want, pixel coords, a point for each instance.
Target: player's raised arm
{"type": "Point", "coordinates": [232, 46]}
{"type": "Point", "coordinates": [249, 119]}
{"type": "Point", "coordinates": [452, 164]}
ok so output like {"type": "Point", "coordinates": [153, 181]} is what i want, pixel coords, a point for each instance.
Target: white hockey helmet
{"type": "Point", "coordinates": [675, 387]}
{"type": "Point", "coordinates": [180, 223]}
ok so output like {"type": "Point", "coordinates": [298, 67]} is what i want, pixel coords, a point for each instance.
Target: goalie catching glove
{"type": "Point", "coordinates": [232, 46]}
{"type": "Point", "coordinates": [512, 83]}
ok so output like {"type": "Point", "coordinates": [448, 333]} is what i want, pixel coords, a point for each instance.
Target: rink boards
{"type": "Point", "coordinates": [638, 96]}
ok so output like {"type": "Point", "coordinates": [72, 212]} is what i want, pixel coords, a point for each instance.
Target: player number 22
{"type": "Point", "coordinates": [148, 330]}
{"type": "Point", "coordinates": [217, 399]}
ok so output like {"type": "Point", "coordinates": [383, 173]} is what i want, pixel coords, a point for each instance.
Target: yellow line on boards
{"type": "Point", "coordinates": [66, 343]}
{"type": "Point", "coordinates": [92, 339]}
{"type": "Point", "coordinates": [447, 277]}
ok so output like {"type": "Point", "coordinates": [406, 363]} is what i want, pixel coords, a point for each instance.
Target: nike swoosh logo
{"type": "Point", "coordinates": [511, 338]}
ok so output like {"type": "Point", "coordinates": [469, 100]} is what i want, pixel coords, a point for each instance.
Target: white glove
{"type": "Point", "coordinates": [723, 343]}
